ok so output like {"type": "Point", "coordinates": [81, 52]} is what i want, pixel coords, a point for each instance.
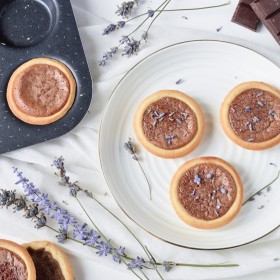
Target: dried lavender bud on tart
{"type": "Point", "coordinates": [50, 261]}
{"type": "Point", "coordinates": [206, 192]}
{"type": "Point", "coordinates": [15, 262]}
{"type": "Point", "coordinates": [41, 91]}
{"type": "Point", "coordinates": [250, 115]}
{"type": "Point", "coordinates": [169, 124]}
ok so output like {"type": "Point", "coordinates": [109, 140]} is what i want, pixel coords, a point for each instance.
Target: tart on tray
{"type": "Point", "coordinates": [169, 124]}
{"type": "Point", "coordinates": [41, 91]}
{"type": "Point", "coordinates": [206, 192]}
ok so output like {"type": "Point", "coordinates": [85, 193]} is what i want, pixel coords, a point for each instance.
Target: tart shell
{"type": "Point", "coordinates": [224, 112]}
{"type": "Point", "coordinates": [48, 119]}
{"type": "Point", "coordinates": [164, 153]}
{"type": "Point", "coordinates": [57, 255]}
{"type": "Point", "coordinates": [23, 254]}
{"type": "Point", "coordinates": [199, 223]}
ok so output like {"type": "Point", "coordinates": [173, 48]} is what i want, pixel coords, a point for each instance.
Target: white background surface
{"type": "Point", "coordinates": [79, 147]}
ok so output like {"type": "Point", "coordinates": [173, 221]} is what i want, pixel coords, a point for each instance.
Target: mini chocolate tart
{"type": "Point", "coordinates": [50, 261]}
{"type": "Point", "coordinates": [206, 192]}
{"type": "Point", "coordinates": [41, 91]}
{"type": "Point", "coordinates": [15, 262]}
{"type": "Point", "coordinates": [250, 115]}
{"type": "Point", "coordinates": [169, 124]}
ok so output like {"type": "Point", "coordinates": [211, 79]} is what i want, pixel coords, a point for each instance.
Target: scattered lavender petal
{"type": "Point", "coordinates": [247, 109]}
{"type": "Point", "coordinates": [259, 94]}
{"type": "Point", "coordinates": [251, 139]}
{"type": "Point", "coordinates": [193, 192]}
{"type": "Point", "coordinates": [209, 176]}
{"type": "Point", "coordinates": [250, 126]}
{"type": "Point", "coordinates": [268, 189]}
{"type": "Point", "coordinates": [223, 191]}
{"type": "Point", "coordinates": [197, 179]}
{"type": "Point", "coordinates": [273, 164]}
{"type": "Point", "coordinates": [260, 103]}
{"type": "Point", "coordinates": [180, 81]}
{"type": "Point", "coordinates": [178, 121]}
{"type": "Point", "coordinates": [219, 28]}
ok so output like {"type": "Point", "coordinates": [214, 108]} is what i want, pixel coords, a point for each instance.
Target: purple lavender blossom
{"type": "Point", "coordinates": [109, 29]}
{"type": "Point", "coordinates": [80, 231]}
{"type": "Point", "coordinates": [209, 176]}
{"type": "Point", "coordinates": [124, 39]}
{"type": "Point", "coordinates": [256, 119]}
{"type": "Point", "coordinates": [103, 249]}
{"type": "Point", "coordinates": [121, 24]}
{"type": "Point", "coordinates": [137, 263]}
{"type": "Point", "coordinates": [91, 238]}
{"type": "Point", "coordinates": [125, 9]}
{"type": "Point", "coordinates": [150, 13]}
{"type": "Point", "coordinates": [131, 48]}
{"type": "Point", "coordinates": [116, 259]}
{"type": "Point", "coordinates": [197, 179]}
{"type": "Point", "coordinates": [247, 109]}
{"type": "Point", "coordinates": [101, 62]}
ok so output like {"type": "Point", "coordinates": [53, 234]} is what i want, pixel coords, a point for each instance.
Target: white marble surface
{"type": "Point", "coordinates": [80, 149]}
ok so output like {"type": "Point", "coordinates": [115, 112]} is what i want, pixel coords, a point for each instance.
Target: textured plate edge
{"type": "Point", "coordinates": [99, 151]}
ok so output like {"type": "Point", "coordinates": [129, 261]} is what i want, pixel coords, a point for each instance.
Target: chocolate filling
{"type": "Point", "coordinates": [12, 267]}
{"type": "Point", "coordinates": [254, 115]}
{"type": "Point", "coordinates": [41, 90]}
{"type": "Point", "coordinates": [207, 191]}
{"type": "Point", "coordinates": [47, 268]}
{"type": "Point", "coordinates": [169, 123]}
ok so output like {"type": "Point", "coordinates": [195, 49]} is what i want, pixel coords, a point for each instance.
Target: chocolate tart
{"type": "Point", "coordinates": [169, 124]}
{"type": "Point", "coordinates": [15, 262]}
{"type": "Point", "coordinates": [50, 261]}
{"type": "Point", "coordinates": [41, 91]}
{"type": "Point", "coordinates": [206, 192]}
{"type": "Point", "coordinates": [250, 115]}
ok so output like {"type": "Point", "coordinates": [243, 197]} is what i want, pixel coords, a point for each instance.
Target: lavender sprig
{"type": "Point", "coordinates": [252, 197]}
{"type": "Point", "coordinates": [132, 46]}
{"type": "Point", "coordinates": [131, 148]}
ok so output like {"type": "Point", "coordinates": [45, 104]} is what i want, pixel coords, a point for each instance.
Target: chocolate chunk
{"type": "Point", "coordinates": [245, 16]}
{"type": "Point", "coordinates": [268, 12]}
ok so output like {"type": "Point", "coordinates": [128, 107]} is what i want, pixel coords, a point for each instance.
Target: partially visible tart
{"type": "Point", "coordinates": [169, 124]}
{"type": "Point", "coordinates": [41, 91]}
{"type": "Point", "coordinates": [250, 115]}
{"type": "Point", "coordinates": [206, 192]}
{"type": "Point", "coordinates": [50, 261]}
{"type": "Point", "coordinates": [15, 262]}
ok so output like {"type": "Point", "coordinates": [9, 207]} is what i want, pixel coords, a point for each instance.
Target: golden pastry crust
{"type": "Point", "coordinates": [23, 254]}
{"type": "Point", "coordinates": [45, 119]}
{"type": "Point", "coordinates": [224, 115]}
{"type": "Point", "coordinates": [57, 255]}
{"type": "Point", "coordinates": [164, 153]}
{"type": "Point", "coordinates": [200, 223]}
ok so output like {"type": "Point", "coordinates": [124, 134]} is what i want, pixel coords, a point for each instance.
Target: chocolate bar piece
{"type": "Point", "coordinates": [268, 12]}
{"type": "Point", "coordinates": [245, 16]}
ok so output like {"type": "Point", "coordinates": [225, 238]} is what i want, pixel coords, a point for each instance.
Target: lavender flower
{"type": "Point", "coordinates": [260, 103]}
{"type": "Point", "coordinates": [197, 179]}
{"type": "Point", "coordinates": [223, 191]}
{"type": "Point", "coordinates": [259, 94]}
{"type": "Point", "coordinates": [145, 36]}
{"type": "Point", "coordinates": [121, 24]}
{"type": "Point", "coordinates": [125, 9]}
{"type": "Point", "coordinates": [101, 62]}
{"type": "Point", "coordinates": [109, 29]}
{"type": "Point", "coordinates": [250, 127]}
{"type": "Point", "coordinates": [41, 221]}
{"type": "Point", "coordinates": [247, 109]}
{"type": "Point", "coordinates": [168, 265]}
{"type": "Point", "coordinates": [124, 39]}
{"type": "Point", "coordinates": [119, 252]}
{"type": "Point", "coordinates": [107, 56]}
{"type": "Point", "coordinates": [131, 48]}
{"type": "Point", "coordinates": [62, 236]}
{"type": "Point", "coordinates": [150, 13]}
{"type": "Point", "coordinates": [80, 231]}
{"type": "Point", "coordinates": [91, 238]}
{"type": "Point", "coordinates": [114, 50]}
{"type": "Point", "coordinates": [31, 212]}
{"type": "Point", "coordinates": [271, 112]}
{"type": "Point", "coordinates": [256, 119]}
{"type": "Point", "coordinates": [131, 148]}
{"type": "Point", "coordinates": [103, 249]}
{"type": "Point", "coordinates": [137, 263]}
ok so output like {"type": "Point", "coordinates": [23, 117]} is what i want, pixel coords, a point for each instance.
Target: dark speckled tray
{"type": "Point", "coordinates": [40, 28]}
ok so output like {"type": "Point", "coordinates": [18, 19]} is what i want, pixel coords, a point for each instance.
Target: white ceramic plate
{"type": "Point", "coordinates": [209, 69]}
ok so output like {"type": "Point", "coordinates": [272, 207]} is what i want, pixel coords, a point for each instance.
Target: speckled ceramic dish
{"type": "Point", "coordinates": [31, 29]}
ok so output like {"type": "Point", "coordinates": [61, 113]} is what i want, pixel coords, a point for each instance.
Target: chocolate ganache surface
{"type": "Point", "coordinates": [207, 191]}
{"type": "Point", "coordinates": [12, 267]}
{"type": "Point", "coordinates": [169, 123]}
{"type": "Point", "coordinates": [254, 115]}
{"type": "Point", "coordinates": [41, 90]}
{"type": "Point", "coordinates": [47, 268]}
